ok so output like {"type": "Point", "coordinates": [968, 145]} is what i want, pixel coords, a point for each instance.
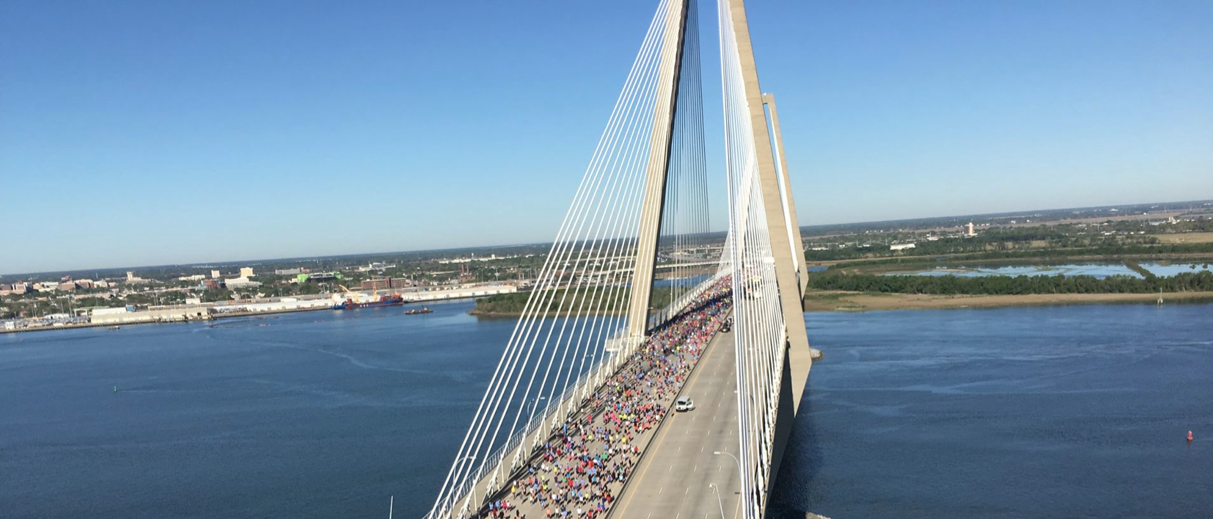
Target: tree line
{"type": "Point", "coordinates": [1045, 254]}
{"type": "Point", "coordinates": [1007, 285]}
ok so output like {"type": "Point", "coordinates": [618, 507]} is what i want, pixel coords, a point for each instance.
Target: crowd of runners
{"type": "Point", "coordinates": [583, 465]}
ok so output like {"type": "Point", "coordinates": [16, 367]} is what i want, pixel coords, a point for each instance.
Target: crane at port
{"type": "Point", "coordinates": [349, 294]}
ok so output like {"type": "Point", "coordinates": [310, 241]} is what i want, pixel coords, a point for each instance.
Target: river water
{"type": "Point", "coordinates": [1075, 411]}
{"type": "Point", "coordinates": [1030, 412]}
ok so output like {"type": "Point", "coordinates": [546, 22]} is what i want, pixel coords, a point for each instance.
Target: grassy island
{"type": "Point", "coordinates": [832, 291]}
{"type": "Point", "coordinates": [597, 301]}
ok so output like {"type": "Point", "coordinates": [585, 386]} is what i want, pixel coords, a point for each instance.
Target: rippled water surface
{"type": "Point", "coordinates": [1044, 412]}
{"type": "Point", "coordinates": [319, 414]}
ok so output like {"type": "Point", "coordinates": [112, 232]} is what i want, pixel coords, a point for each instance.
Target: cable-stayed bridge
{"type": "Point", "coordinates": [579, 415]}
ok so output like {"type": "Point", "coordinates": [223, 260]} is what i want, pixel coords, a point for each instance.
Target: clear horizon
{"type": "Point", "coordinates": [155, 134]}
{"type": "Point", "coordinates": [537, 243]}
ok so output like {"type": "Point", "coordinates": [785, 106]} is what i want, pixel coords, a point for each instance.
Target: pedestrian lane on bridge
{"type": "Point", "coordinates": [680, 475]}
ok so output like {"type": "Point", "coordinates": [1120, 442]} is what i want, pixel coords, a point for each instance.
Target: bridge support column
{"type": "Point", "coordinates": [784, 234]}
{"type": "Point", "coordinates": [658, 166]}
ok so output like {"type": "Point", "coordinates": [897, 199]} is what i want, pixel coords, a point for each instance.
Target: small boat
{"type": "Point", "coordinates": [114, 327]}
{"type": "Point", "coordinates": [415, 311]}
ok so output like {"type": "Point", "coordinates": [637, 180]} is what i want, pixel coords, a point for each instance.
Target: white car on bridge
{"type": "Point", "coordinates": [684, 403]}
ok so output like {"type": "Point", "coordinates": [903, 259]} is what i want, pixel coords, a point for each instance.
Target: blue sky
{"type": "Point", "coordinates": [149, 132]}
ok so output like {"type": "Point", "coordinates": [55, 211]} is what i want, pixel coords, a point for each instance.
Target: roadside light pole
{"type": "Point", "coordinates": [532, 403]}
{"type": "Point", "coordinates": [717, 453]}
{"type": "Point", "coordinates": [718, 503]}
{"type": "Point", "coordinates": [731, 456]}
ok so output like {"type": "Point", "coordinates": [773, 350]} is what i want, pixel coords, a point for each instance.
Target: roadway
{"type": "Point", "coordinates": [673, 478]}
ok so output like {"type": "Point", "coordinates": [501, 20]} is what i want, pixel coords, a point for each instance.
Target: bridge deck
{"type": "Point", "coordinates": [673, 476]}
{"type": "Point", "coordinates": [580, 468]}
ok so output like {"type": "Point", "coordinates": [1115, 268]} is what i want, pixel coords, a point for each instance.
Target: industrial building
{"type": "Point", "coordinates": [128, 315]}
{"type": "Point", "coordinates": [386, 283]}
{"type": "Point", "coordinates": [459, 293]}
{"type": "Point", "coordinates": [285, 304]}
{"type": "Point", "coordinates": [240, 282]}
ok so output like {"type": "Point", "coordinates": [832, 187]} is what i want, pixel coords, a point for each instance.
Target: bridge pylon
{"type": "Point", "coordinates": [781, 237]}
{"type": "Point", "coordinates": [583, 334]}
{"type": "Point", "coordinates": [658, 169]}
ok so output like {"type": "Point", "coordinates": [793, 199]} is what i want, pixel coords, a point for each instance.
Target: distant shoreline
{"type": "Point", "coordinates": [223, 315]}
{"type": "Point", "coordinates": [213, 318]}
{"type": "Point", "coordinates": [814, 301]}
{"type": "Point", "coordinates": [840, 301]}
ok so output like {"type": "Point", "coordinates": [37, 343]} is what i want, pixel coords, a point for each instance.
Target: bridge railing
{"type": "Point", "coordinates": [495, 460]}
{"type": "Point", "coordinates": [594, 377]}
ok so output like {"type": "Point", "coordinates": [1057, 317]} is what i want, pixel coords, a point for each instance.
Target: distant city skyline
{"type": "Point", "coordinates": [145, 133]}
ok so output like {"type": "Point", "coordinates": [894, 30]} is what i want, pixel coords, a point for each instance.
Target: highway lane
{"type": "Point", "coordinates": [674, 477]}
